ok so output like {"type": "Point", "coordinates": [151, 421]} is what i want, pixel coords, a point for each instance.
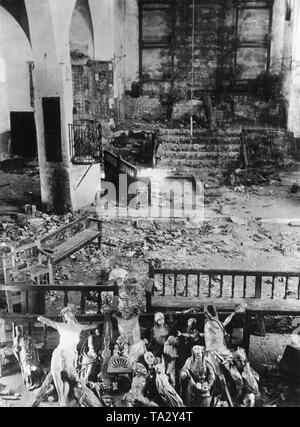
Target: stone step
{"type": "Point", "coordinates": [220, 140]}
{"type": "Point", "coordinates": [200, 155]}
{"type": "Point", "coordinates": [198, 163]}
{"type": "Point", "coordinates": [202, 148]}
{"type": "Point", "coordinates": [200, 132]}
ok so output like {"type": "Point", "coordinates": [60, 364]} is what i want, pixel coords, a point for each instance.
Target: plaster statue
{"type": "Point", "coordinates": [64, 356]}
{"type": "Point", "coordinates": [28, 358]}
{"type": "Point", "coordinates": [166, 391]}
{"type": "Point", "coordinates": [170, 359]}
{"type": "Point", "coordinates": [214, 331]}
{"type": "Point", "coordinates": [158, 335]}
{"type": "Point", "coordinates": [135, 397]}
{"type": "Point", "coordinates": [91, 357]}
{"type": "Point", "coordinates": [197, 379]}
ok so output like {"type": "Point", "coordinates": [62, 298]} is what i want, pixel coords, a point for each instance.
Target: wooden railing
{"type": "Point", "coordinates": [85, 291]}
{"type": "Point", "coordinates": [114, 166]}
{"type": "Point", "coordinates": [263, 290]}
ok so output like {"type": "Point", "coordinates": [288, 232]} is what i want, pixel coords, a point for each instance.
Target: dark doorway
{"type": "Point", "coordinates": [52, 125]}
{"type": "Point", "coordinates": [23, 135]}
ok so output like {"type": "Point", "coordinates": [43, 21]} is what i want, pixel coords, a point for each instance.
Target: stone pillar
{"type": "Point", "coordinates": [131, 43]}
{"type": "Point", "coordinates": [278, 35]}
{"type": "Point", "coordinates": [294, 81]}
{"type": "Point", "coordinates": [49, 22]}
{"type": "Point", "coordinates": [4, 110]}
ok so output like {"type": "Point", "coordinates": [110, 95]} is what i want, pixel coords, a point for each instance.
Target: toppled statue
{"type": "Point", "coordinates": [91, 357]}
{"type": "Point", "coordinates": [135, 397]}
{"type": "Point", "coordinates": [63, 370]}
{"type": "Point", "coordinates": [158, 335]}
{"type": "Point", "coordinates": [236, 379]}
{"type": "Point", "coordinates": [197, 379]}
{"type": "Point", "coordinates": [28, 358]}
{"type": "Point", "coordinates": [188, 339]}
{"type": "Point", "coordinates": [166, 391]}
{"type": "Point", "coordinates": [214, 331]}
{"type": "Point", "coordinates": [170, 359]}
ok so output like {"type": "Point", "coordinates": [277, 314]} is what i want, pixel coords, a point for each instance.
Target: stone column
{"type": "Point", "coordinates": [294, 81]}
{"type": "Point", "coordinates": [49, 22]}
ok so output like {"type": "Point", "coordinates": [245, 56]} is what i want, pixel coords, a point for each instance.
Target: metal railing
{"type": "Point", "coordinates": [85, 140]}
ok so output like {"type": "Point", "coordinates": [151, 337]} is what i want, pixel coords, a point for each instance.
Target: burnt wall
{"type": "Point", "coordinates": [5, 145]}
{"type": "Point", "coordinates": [92, 90]}
{"type": "Point", "coordinates": [230, 61]}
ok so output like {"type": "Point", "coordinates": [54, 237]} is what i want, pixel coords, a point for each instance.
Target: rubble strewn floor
{"type": "Point", "coordinates": [248, 228]}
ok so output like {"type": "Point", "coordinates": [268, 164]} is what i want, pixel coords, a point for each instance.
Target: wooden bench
{"type": "Point", "coordinates": [264, 292]}
{"type": "Point", "coordinates": [70, 238]}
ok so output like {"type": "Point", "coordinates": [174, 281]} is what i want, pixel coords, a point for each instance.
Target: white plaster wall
{"type": "Point", "coordinates": [81, 31]}
{"type": "Point", "coordinates": [16, 52]}
{"type": "Point", "coordinates": [131, 43]}
{"type": "Point", "coordinates": [278, 36]}
{"type": "Point", "coordinates": [102, 19]}
{"type": "Point", "coordinates": [4, 106]}
{"type": "Point", "coordinates": [86, 186]}
{"type": "Point", "coordinates": [126, 44]}
{"type": "Point", "coordinates": [294, 77]}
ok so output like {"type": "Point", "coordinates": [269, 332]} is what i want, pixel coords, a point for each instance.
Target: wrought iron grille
{"type": "Point", "coordinates": [85, 138]}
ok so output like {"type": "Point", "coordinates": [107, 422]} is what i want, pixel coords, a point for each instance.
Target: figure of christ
{"type": "Point", "coordinates": [64, 356]}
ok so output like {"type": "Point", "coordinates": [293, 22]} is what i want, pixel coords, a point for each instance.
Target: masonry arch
{"type": "Point", "coordinates": [17, 102]}
{"type": "Point", "coordinates": [81, 37]}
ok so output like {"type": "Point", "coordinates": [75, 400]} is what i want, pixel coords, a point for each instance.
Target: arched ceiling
{"type": "Point", "coordinates": [17, 9]}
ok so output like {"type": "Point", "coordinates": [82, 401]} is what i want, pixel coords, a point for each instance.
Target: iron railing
{"type": "Point", "coordinates": [85, 139]}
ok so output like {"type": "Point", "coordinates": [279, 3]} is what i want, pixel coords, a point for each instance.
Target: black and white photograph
{"type": "Point", "coordinates": [149, 206]}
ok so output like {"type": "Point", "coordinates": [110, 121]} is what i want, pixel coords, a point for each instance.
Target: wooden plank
{"type": "Point", "coordinates": [15, 317]}
{"type": "Point", "coordinates": [61, 230]}
{"type": "Point", "coordinates": [255, 305]}
{"type": "Point", "coordinates": [74, 244]}
{"type": "Point", "coordinates": [29, 287]}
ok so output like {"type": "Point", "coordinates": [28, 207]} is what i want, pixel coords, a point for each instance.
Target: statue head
{"type": "Point", "coordinates": [149, 358]}
{"type": "Point", "coordinates": [210, 312]}
{"type": "Point", "coordinates": [198, 352]}
{"type": "Point", "coordinates": [139, 370]}
{"type": "Point", "coordinates": [20, 331]}
{"type": "Point", "coordinates": [159, 319]}
{"type": "Point", "coordinates": [192, 323]}
{"type": "Point", "coordinates": [160, 369]}
{"type": "Point", "coordinates": [68, 314]}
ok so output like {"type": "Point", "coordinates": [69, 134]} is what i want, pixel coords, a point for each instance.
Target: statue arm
{"type": "Point", "coordinates": [48, 322]}
{"type": "Point", "coordinates": [211, 377]}
{"type": "Point", "coordinates": [88, 327]}
{"type": "Point", "coordinates": [228, 320]}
